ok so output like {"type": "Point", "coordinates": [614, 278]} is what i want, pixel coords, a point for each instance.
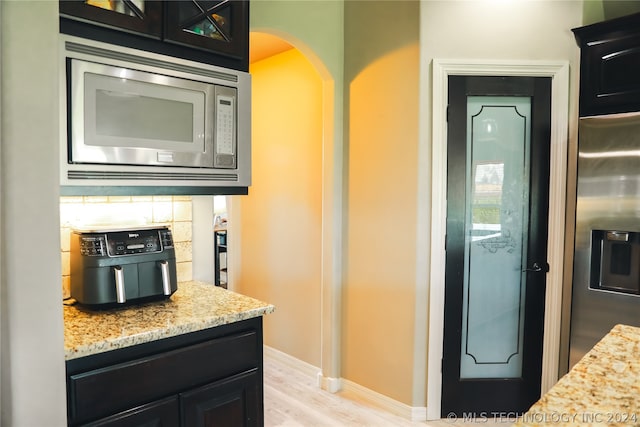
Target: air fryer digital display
{"type": "Point", "coordinates": [133, 242]}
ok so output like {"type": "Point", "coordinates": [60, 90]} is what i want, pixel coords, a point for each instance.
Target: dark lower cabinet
{"type": "Point", "coordinates": [163, 413]}
{"type": "Point", "coordinates": [226, 403]}
{"type": "Point", "coordinates": [207, 378]}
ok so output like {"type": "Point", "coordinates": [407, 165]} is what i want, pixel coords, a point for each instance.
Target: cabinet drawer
{"type": "Point", "coordinates": [104, 391]}
{"type": "Point", "coordinates": [160, 413]}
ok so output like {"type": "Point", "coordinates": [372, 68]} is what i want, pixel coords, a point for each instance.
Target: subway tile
{"type": "Point", "coordinates": [183, 251]}
{"type": "Point", "coordinates": [65, 239]}
{"type": "Point", "coordinates": [182, 231]}
{"type": "Point", "coordinates": [71, 199]}
{"type": "Point", "coordinates": [182, 211]}
{"type": "Point", "coordinates": [118, 199]}
{"type": "Point", "coordinates": [141, 198]}
{"type": "Point", "coordinates": [96, 199]}
{"type": "Point", "coordinates": [65, 263]}
{"type": "Point", "coordinates": [66, 287]}
{"type": "Point", "coordinates": [184, 271]}
{"type": "Point", "coordinates": [70, 214]}
{"type": "Point", "coordinates": [162, 211]}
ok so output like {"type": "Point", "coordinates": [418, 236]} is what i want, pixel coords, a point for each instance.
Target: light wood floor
{"type": "Point", "coordinates": [292, 399]}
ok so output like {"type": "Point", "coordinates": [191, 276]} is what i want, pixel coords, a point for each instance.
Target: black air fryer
{"type": "Point", "coordinates": [122, 266]}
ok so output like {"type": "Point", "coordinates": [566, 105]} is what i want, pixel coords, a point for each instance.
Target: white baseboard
{"type": "Point", "coordinates": [333, 385]}
{"type": "Point", "coordinates": [418, 413]}
{"type": "Point", "coordinates": [385, 403]}
{"type": "Point", "coordinates": [301, 366]}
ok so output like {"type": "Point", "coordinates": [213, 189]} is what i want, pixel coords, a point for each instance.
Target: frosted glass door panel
{"type": "Point", "coordinates": [496, 220]}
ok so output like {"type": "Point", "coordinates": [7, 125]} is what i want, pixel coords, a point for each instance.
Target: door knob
{"type": "Point", "coordinates": [538, 268]}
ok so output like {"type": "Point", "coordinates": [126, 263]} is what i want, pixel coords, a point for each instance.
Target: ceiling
{"type": "Point", "coordinates": [262, 45]}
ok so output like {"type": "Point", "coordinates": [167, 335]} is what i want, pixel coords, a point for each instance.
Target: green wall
{"type": "Point", "coordinates": [312, 26]}
{"type": "Point", "coordinates": [601, 10]}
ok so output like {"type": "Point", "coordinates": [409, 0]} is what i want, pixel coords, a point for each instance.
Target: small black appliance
{"type": "Point", "coordinates": [113, 267]}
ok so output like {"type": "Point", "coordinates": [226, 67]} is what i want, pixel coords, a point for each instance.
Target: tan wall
{"type": "Point", "coordinates": [384, 44]}
{"type": "Point", "coordinates": [174, 211]}
{"type": "Point", "coordinates": [381, 63]}
{"type": "Point", "coordinates": [280, 259]}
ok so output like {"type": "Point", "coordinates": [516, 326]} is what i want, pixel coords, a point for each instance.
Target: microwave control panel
{"type": "Point", "coordinates": [225, 135]}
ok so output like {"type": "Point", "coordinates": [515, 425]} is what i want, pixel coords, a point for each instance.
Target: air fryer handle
{"type": "Point", "coordinates": [166, 282]}
{"type": "Point", "coordinates": [119, 276]}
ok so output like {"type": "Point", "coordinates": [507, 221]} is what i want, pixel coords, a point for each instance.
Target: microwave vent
{"type": "Point", "coordinates": [138, 176]}
{"type": "Point", "coordinates": [122, 56]}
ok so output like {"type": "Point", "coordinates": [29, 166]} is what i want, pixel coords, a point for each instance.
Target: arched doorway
{"type": "Point", "coordinates": [282, 228]}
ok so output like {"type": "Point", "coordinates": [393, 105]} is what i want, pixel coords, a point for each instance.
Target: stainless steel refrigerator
{"type": "Point", "coordinates": [606, 270]}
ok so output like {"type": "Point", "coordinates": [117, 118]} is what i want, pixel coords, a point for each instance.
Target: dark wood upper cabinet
{"type": "Point", "coordinates": [609, 66]}
{"type": "Point", "coordinates": [220, 26]}
{"type": "Point", "coordinates": [138, 16]}
{"type": "Point", "coordinates": [209, 31]}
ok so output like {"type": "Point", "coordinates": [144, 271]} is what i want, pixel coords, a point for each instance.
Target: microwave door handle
{"type": "Point", "coordinates": [119, 276]}
{"type": "Point", "coordinates": [166, 283]}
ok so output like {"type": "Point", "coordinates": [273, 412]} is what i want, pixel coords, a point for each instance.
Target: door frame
{"type": "Point", "coordinates": [559, 73]}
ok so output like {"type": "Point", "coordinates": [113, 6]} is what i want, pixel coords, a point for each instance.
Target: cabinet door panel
{"type": "Point", "coordinates": [139, 16]}
{"type": "Point", "coordinates": [610, 77]}
{"type": "Point", "coordinates": [234, 401]}
{"type": "Point", "coordinates": [163, 413]}
{"type": "Point", "coordinates": [609, 66]}
{"type": "Point", "coordinates": [104, 391]}
{"type": "Point", "coordinates": [219, 26]}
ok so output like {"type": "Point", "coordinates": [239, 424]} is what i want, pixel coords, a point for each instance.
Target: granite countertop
{"type": "Point", "coordinates": [602, 389]}
{"type": "Point", "coordinates": [194, 306]}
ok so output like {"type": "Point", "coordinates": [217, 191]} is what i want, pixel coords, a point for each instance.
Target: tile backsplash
{"type": "Point", "coordinates": [87, 211]}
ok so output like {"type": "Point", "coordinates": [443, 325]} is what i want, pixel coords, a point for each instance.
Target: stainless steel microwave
{"type": "Point", "coordinates": [135, 118]}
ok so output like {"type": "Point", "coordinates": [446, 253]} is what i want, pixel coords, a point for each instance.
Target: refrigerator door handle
{"type": "Point", "coordinates": [538, 268]}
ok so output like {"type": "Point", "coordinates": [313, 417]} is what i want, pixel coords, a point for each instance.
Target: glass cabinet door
{"type": "Point", "coordinates": [139, 16]}
{"type": "Point", "coordinates": [215, 25]}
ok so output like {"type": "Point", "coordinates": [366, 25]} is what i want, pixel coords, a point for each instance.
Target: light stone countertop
{"type": "Point", "coordinates": [603, 389]}
{"type": "Point", "coordinates": [193, 307]}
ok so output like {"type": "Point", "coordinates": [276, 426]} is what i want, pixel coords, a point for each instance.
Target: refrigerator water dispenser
{"type": "Point", "coordinates": [615, 261]}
